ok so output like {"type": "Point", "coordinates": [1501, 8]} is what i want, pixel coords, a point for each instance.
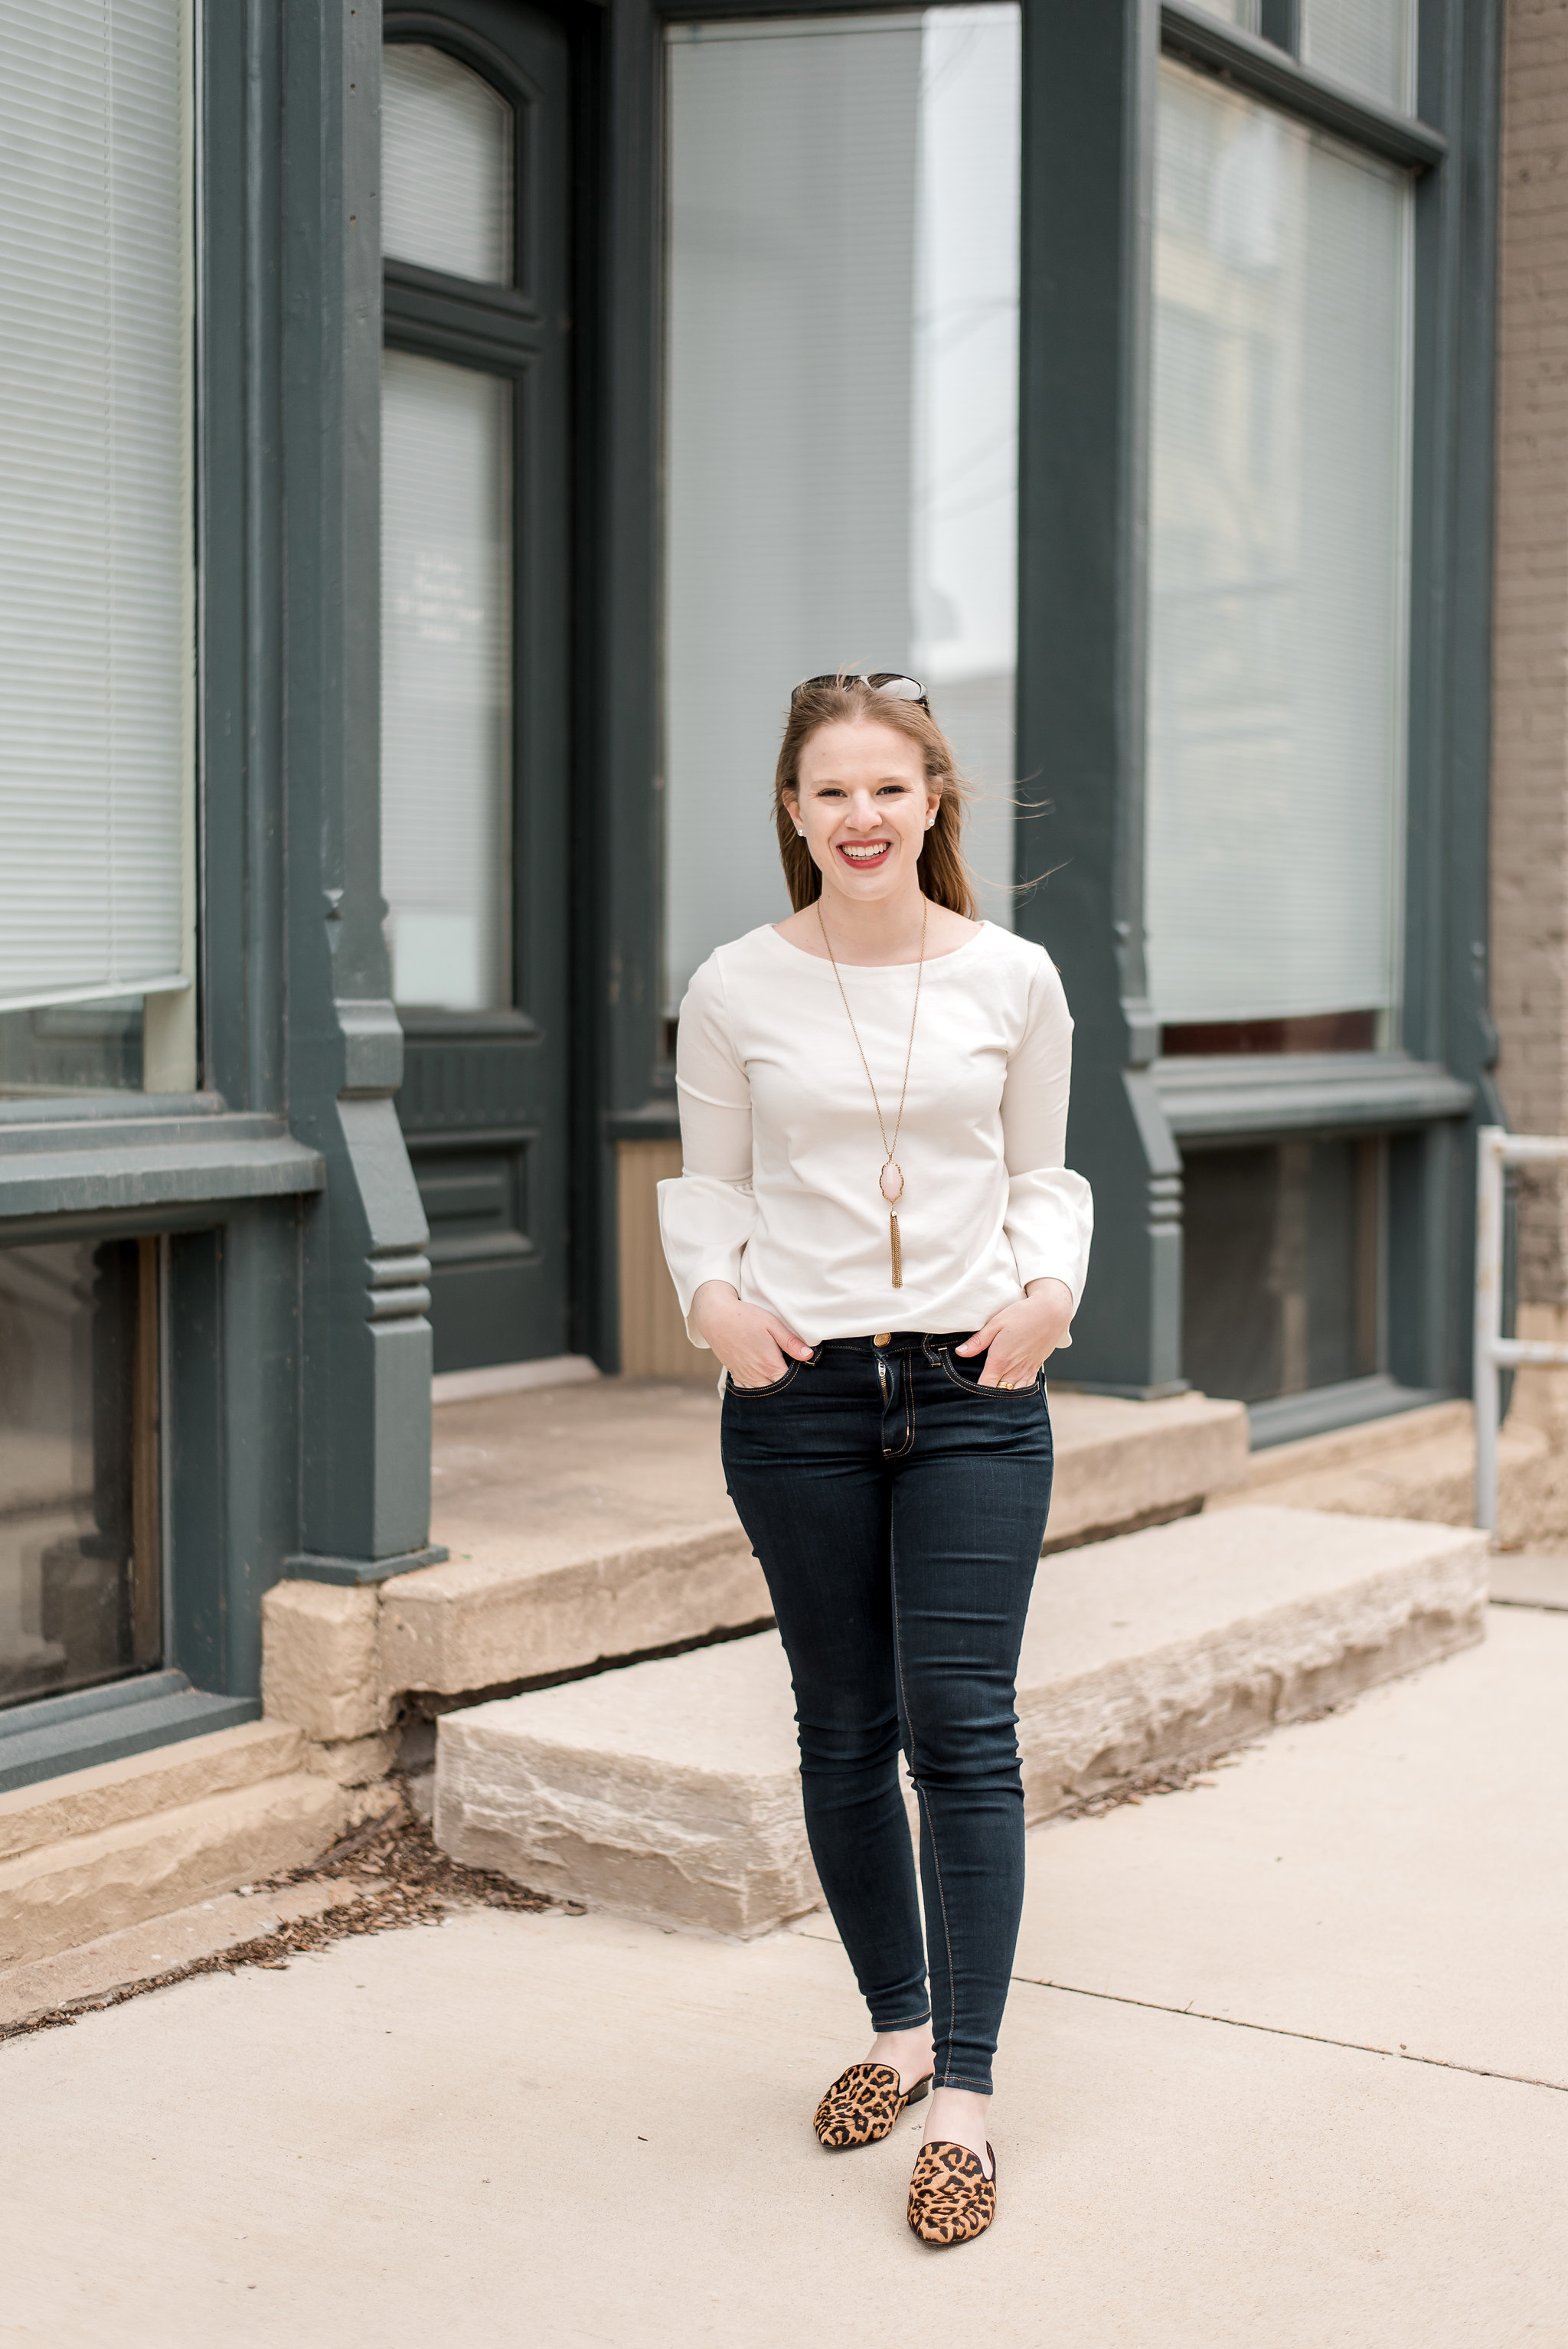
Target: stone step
{"type": "Point", "coordinates": [109, 1793]}
{"type": "Point", "coordinates": [1418, 1465]}
{"type": "Point", "coordinates": [591, 1522]}
{"type": "Point", "coordinates": [670, 1790]}
{"type": "Point", "coordinates": [63, 1888]}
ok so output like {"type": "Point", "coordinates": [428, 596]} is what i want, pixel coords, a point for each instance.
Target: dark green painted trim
{"type": "Point", "coordinates": [407, 280]}
{"type": "Point", "coordinates": [363, 1340]}
{"type": "Point", "coordinates": [1351, 1403]}
{"type": "Point", "coordinates": [617, 899]}
{"type": "Point", "coordinates": [240, 504]}
{"type": "Point", "coordinates": [439, 327]}
{"type": "Point", "coordinates": [307, 1568]}
{"type": "Point", "coordinates": [1279, 21]}
{"type": "Point", "coordinates": [1219, 1099]}
{"type": "Point", "coordinates": [1446, 1015]}
{"type": "Point", "coordinates": [654, 1122]}
{"type": "Point", "coordinates": [1263, 69]}
{"type": "Point", "coordinates": [1089, 115]}
{"type": "Point", "coordinates": [259, 1160]}
{"type": "Point", "coordinates": [93, 1108]}
{"type": "Point", "coordinates": [57, 1734]}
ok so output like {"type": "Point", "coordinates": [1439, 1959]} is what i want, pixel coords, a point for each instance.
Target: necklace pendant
{"type": "Point", "coordinates": [893, 1183]}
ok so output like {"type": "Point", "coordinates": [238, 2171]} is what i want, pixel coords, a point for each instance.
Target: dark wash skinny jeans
{"type": "Point", "coordinates": [898, 1507]}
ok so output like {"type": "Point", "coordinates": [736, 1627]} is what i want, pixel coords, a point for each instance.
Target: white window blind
{"type": "Point", "coordinates": [96, 627]}
{"type": "Point", "coordinates": [445, 681]}
{"type": "Point", "coordinates": [1235, 12]}
{"type": "Point", "coordinates": [446, 165]}
{"type": "Point", "coordinates": [1370, 43]}
{"type": "Point", "coordinates": [1278, 563]}
{"type": "Point", "coordinates": [841, 417]}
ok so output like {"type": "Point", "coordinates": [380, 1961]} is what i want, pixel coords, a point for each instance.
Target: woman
{"type": "Point", "coordinates": [876, 1234]}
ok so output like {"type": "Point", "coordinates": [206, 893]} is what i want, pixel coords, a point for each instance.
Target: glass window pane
{"type": "Point", "coordinates": [1283, 1275]}
{"type": "Point", "coordinates": [1278, 535]}
{"type": "Point", "coordinates": [445, 681]}
{"type": "Point", "coordinates": [446, 165]}
{"type": "Point", "coordinates": [96, 595]}
{"type": "Point", "coordinates": [843, 415]}
{"type": "Point", "coordinates": [1243, 13]}
{"type": "Point", "coordinates": [79, 1566]}
{"type": "Point", "coordinates": [1370, 43]}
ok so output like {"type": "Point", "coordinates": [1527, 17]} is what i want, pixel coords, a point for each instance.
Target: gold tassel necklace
{"type": "Point", "coordinates": [891, 1181]}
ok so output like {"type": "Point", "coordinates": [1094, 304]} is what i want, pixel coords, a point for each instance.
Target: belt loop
{"type": "Point", "coordinates": [930, 1348]}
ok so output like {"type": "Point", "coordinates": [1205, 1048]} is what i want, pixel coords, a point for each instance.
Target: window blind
{"type": "Point", "coordinates": [446, 165]}
{"type": "Point", "coordinates": [96, 627]}
{"type": "Point", "coordinates": [446, 680]}
{"type": "Point", "coordinates": [1281, 394]}
{"type": "Point", "coordinates": [841, 417]}
{"type": "Point", "coordinates": [1370, 43]}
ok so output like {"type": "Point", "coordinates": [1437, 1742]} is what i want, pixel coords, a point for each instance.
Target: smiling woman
{"type": "Point", "coordinates": [875, 1231]}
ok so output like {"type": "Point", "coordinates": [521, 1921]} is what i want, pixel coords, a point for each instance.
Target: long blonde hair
{"type": "Point", "coordinates": [944, 872]}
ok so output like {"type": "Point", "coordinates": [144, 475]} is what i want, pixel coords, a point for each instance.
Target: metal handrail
{"type": "Point", "coordinates": [1493, 1352]}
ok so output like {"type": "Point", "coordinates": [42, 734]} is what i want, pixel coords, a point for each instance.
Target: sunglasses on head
{"type": "Point", "coordinates": [880, 680]}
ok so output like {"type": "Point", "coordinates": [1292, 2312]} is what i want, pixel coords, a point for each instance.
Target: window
{"type": "Point", "coordinates": [96, 818]}
{"type": "Point", "coordinates": [1369, 43]}
{"type": "Point", "coordinates": [80, 1574]}
{"type": "Point", "coordinates": [1282, 1287]}
{"type": "Point", "coordinates": [446, 632]}
{"type": "Point", "coordinates": [446, 166]}
{"type": "Point", "coordinates": [841, 406]}
{"type": "Point", "coordinates": [1279, 527]}
{"type": "Point", "coordinates": [446, 554]}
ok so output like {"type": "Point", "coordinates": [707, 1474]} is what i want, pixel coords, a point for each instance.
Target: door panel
{"type": "Point", "coordinates": [477, 592]}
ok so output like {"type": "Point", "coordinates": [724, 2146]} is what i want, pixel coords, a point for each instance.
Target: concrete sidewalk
{"type": "Point", "coordinates": [1286, 2066]}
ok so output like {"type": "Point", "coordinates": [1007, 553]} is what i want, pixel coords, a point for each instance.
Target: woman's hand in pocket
{"type": "Point", "coordinates": [755, 1347]}
{"type": "Point", "coordinates": [1018, 1340]}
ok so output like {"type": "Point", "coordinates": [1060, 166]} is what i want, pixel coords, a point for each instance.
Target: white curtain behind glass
{"type": "Point", "coordinates": [95, 632]}
{"type": "Point", "coordinates": [1367, 43]}
{"type": "Point", "coordinates": [1278, 529]}
{"type": "Point", "coordinates": [445, 681]}
{"type": "Point", "coordinates": [842, 416]}
{"type": "Point", "coordinates": [446, 165]}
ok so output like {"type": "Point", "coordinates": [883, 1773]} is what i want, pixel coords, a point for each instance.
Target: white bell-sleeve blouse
{"type": "Point", "coordinates": [781, 1153]}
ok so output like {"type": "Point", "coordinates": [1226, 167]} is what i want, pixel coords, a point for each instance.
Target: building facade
{"type": "Point", "coordinates": [450, 434]}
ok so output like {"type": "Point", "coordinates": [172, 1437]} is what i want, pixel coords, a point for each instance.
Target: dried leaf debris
{"type": "Point", "coordinates": [392, 1876]}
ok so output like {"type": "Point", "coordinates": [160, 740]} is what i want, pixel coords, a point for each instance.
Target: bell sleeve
{"type": "Point", "coordinates": [1050, 1210]}
{"type": "Point", "coordinates": [706, 1213]}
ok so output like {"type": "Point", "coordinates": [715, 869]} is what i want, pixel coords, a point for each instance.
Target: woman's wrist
{"type": "Point", "coordinates": [707, 1298]}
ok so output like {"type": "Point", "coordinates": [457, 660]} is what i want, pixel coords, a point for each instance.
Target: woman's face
{"type": "Point", "coordinates": [864, 807]}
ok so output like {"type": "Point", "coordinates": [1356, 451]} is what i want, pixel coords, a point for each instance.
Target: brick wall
{"type": "Point", "coordinates": [1530, 756]}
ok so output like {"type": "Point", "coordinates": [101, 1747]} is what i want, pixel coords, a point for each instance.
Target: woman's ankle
{"type": "Point", "coordinates": [961, 2116]}
{"type": "Point", "coordinates": [909, 2053]}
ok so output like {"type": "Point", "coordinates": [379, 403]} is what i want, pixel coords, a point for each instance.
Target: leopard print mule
{"type": "Point", "coordinates": [862, 2104]}
{"type": "Point", "coordinates": [951, 2200]}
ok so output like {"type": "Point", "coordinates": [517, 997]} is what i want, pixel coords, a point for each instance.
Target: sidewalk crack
{"type": "Point", "coordinates": [1280, 2031]}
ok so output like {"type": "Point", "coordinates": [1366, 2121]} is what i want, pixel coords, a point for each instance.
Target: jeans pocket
{"type": "Point", "coordinates": [757, 1394]}
{"type": "Point", "coordinates": [972, 1386]}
